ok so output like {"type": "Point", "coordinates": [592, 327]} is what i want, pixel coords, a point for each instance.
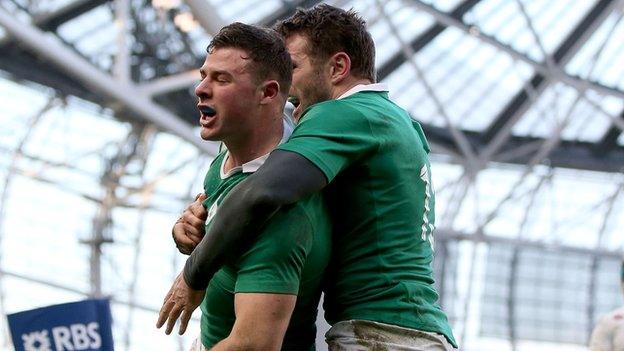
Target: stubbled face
{"type": "Point", "coordinates": [227, 95]}
{"type": "Point", "coordinates": [310, 84]}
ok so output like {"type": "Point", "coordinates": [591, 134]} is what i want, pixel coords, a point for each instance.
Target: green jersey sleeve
{"type": "Point", "coordinates": [332, 135]}
{"type": "Point", "coordinates": [275, 262]}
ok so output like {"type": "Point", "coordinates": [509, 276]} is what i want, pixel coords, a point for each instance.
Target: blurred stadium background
{"type": "Point", "coordinates": [522, 102]}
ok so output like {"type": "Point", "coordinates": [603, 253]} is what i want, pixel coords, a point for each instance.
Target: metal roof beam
{"type": "Point", "coordinates": [447, 234]}
{"type": "Point", "coordinates": [423, 39]}
{"type": "Point", "coordinates": [75, 66]}
{"type": "Point", "coordinates": [51, 21]}
{"type": "Point", "coordinates": [609, 140]}
{"type": "Point", "coordinates": [556, 74]}
{"type": "Point", "coordinates": [207, 16]}
{"type": "Point", "coordinates": [183, 80]}
{"type": "Point", "coordinates": [170, 83]}
{"type": "Point", "coordinates": [20, 63]}
{"type": "Point", "coordinates": [500, 128]}
{"type": "Point", "coordinates": [521, 150]}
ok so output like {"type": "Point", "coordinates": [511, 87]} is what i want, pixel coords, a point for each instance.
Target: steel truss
{"type": "Point", "coordinates": [153, 94]}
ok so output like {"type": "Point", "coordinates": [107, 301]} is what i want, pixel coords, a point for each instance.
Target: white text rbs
{"type": "Point", "coordinates": [75, 337]}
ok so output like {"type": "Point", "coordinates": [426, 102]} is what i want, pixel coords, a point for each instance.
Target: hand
{"type": "Point", "coordinates": [180, 300]}
{"type": "Point", "coordinates": [189, 229]}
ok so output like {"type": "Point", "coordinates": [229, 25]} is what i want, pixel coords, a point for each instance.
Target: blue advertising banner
{"type": "Point", "coordinates": [76, 326]}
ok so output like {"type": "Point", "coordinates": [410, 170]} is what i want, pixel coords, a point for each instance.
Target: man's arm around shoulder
{"type": "Point", "coordinates": [285, 178]}
{"type": "Point", "coordinates": [261, 322]}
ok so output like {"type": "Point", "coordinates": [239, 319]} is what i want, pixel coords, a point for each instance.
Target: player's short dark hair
{"type": "Point", "coordinates": [330, 30]}
{"type": "Point", "coordinates": [266, 48]}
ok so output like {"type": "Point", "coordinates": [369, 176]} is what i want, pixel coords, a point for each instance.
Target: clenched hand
{"type": "Point", "coordinates": [189, 229]}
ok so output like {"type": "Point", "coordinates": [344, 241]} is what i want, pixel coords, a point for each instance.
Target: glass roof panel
{"type": "Point", "coordinates": [443, 5]}
{"type": "Point", "coordinates": [545, 295]}
{"type": "Point", "coordinates": [554, 214]}
{"type": "Point", "coordinates": [586, 118]}
{"type": "Point", "coordinates": [574, 219]}
{"type": "Point", "coordinates": [385, 43]}
{"type": "Point", "coordinates": [84, 25]}
{"type": "Point", "coordinates": [599, 59]}
{"type": "Point", "coordinates": [593, 117]}
{"type": "Point", "coordinates": [69, 148]}
{"type": "Point", "coordinates": [48, 6]}
{"type": "Point", "coordinates": [503, 20]}
{"type": "Point", "coordinates": [409, 23]}
{"type": "Point", "coordinates": [554, 22]}
{"type": "Point", "coordinates": [472, 81]}
{"type": "Point", "coordinates": [244, 10]}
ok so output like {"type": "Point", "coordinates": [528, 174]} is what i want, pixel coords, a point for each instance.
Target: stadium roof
{"type": "Point", "coordinates": [522, 101]}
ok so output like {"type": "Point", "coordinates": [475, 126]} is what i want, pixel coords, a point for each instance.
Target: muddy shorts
{"type": "Point", "coordinates": [360, 335]}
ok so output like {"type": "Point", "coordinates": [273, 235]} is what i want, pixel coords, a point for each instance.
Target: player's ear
{"type": "Point", "coordinates": [340, 64]}
{"type": "Point", "coordinates": [269, 91]}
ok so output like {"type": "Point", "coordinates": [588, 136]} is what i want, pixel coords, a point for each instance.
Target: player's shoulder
{"type": "Point", "coordinates": [344, 107]}
{"type": "Point", "coordinates": [332, 115]}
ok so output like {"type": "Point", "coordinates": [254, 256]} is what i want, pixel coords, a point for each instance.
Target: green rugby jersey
{"type": "Point", "coordinates": [289, 257]}
{"type": "Point", "coordinates": [382, 206]}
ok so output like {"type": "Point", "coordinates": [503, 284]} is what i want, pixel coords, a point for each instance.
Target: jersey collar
{"type": "Point", "coordinates": [364, 87]}
{"type": "Point", "coordinates": [253, 165]}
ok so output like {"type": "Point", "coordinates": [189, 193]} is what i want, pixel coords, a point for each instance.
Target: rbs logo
{"type": "Point", "coordinates": [74, 326]}
{"type": "Point", "coordinates": [76, 337]}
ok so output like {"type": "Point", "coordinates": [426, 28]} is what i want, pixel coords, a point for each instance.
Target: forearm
{"type": "Point", "coordinates": [261, 322]}
{"type": "Point", "coordinates": [283, 179]}
{"type": "Point", "coordinates": [232, 343]}
{"type": "Point", "coordinates": [240, 215]}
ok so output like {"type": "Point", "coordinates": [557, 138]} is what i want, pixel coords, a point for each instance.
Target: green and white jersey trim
{"type": "Point", "coordinates": [364, 87]}
{"type": "Point", "coordinates": [253, 165]}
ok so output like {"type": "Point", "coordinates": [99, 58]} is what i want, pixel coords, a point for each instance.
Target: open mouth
{"type": "Point", "coordinates": [207, 111]}
{"type": "Point", "coordinates": [294, 100]}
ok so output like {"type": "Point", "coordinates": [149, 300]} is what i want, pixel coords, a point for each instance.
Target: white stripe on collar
{"type": "Point", "coordinates": [253, 165]}
{"type": "Point", "coordinates": [364, 87]}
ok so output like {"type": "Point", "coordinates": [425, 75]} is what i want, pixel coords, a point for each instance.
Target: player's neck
{"type": "Point", "coordinates": [259, 142]}
{"type": "Point", "coordinates": [346, 85]}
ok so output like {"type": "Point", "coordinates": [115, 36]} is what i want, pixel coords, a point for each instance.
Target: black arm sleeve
{"type": "Point", "coordinates": [284, 178]}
